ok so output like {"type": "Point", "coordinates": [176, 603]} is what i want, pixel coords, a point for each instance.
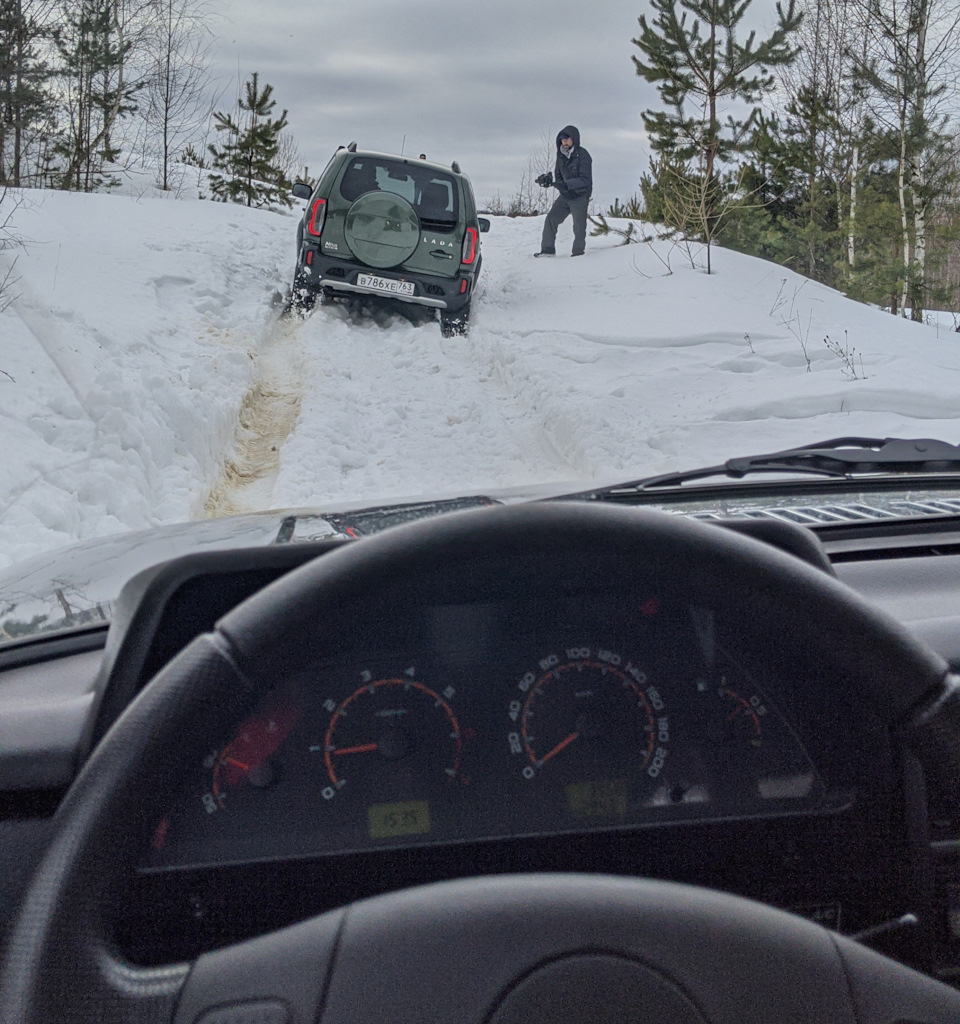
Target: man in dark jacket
{"type": "Point", "coordinates": [573, 179]}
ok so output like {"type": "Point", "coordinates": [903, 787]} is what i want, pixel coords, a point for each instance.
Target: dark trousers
{"type": "Point", "coordinates": [561, 209]}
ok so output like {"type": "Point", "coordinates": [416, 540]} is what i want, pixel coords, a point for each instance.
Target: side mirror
{"type": "Point", "coordinates": [483, 223]}
{"type": "Point", "coordinates": [302, 191]}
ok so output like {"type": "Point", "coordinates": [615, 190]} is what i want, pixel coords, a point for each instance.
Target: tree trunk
{"type": "Point", "coordinates": [20, 58]}
{"type": "Point", "coordinates": [812, 182]}
{"type": "Point", "coordinates": [918, 177]}
{"type": "Point", "coordinates": [851, 234]}
{"type": "Point", "coordinates": [712, 144]}
{"type": "Point", "coordinates": [918, 280]}
{"type": "Point", "coordinates": [902, 197]}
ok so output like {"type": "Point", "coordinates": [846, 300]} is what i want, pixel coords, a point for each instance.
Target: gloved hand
{"type": "Point", "coordinates": [545, 180]}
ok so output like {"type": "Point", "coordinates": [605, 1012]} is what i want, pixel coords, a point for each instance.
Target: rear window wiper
{"type": "Point", "coordinates": [847, 457]}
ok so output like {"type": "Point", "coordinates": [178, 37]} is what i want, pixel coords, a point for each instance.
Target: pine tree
{"type": "Point", "coordinates": [93, 50]}
{"type": "Point", "coordinates": [797, 221]}
{"type": "Point", "coordinates": [696, 64]}
{"type": "Point", "coordinates": [661, 188]}
{"type": "Point", "coordinates": [25, 101]}
{"type": "Point", "coordinates": [248, 157]}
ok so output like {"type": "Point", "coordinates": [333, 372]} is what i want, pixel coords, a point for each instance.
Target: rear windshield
{"type": "Point", "coordinates": [431, 193]}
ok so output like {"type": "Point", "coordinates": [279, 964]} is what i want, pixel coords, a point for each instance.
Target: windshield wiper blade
{"type": "Point", "coordinates": [848, 457]}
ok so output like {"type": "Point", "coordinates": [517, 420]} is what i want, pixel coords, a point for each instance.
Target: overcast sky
{"type": "Point", "coordinates": [479, 82]}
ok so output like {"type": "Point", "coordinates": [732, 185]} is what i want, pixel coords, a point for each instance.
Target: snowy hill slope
{"type": "Point", "coordinates": [147, 376]}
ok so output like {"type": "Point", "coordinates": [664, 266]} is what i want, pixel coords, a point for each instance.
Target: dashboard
{"type": "Point", "coordinates": [639, 733]}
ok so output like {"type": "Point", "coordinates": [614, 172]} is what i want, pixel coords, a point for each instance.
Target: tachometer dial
{"type": "Point", "coordinates": [589, 714]}
{"type": "Point", "coordinates": [390, 736]}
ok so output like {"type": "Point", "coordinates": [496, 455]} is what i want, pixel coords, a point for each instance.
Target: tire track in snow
{"type": "Point", "coordinates": [393, 410]}
{"type": "Point", "coordinates": [537, 372]}
{"type": "Point", "coordinates": [268, 414]}
{"type": "Point", "coordinates": [568, 424]}
{"type": "Point", "coordinates": [48, 330]}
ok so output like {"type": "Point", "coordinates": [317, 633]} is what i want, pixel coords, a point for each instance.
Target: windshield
{"type": "Point", "coordinates": [660, 287]}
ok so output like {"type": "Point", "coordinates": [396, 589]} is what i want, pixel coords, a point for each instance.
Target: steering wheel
{"type": "Point", "coordinates": [525, 948]}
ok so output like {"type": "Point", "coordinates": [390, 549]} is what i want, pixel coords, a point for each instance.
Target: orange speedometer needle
{"type": "Point", "coordinates": [559, 747]}
{"type": "Point", "coordinates": [364, 748]}
{"type": "Point", "coordinates": [237, 764]}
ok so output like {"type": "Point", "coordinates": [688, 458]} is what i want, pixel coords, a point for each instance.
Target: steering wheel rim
{"type": "Point", "coordinates": [59, 957]}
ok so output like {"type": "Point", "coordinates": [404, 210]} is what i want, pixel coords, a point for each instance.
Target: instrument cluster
{"type": "Point", "coordinates": [463, 723]}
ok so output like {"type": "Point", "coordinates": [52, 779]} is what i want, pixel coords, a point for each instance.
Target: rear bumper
{"type": "Point", "coordinates": [339, 275]}
{"type": "Point", "coordinates": [416, 300]}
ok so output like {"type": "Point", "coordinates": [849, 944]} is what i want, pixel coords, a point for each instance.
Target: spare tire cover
{"type": "Point", "coordinates": [382, 229]}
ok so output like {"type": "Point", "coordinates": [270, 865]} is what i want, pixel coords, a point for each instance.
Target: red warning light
{"type": "Point", "coordinates": [650, 608]}
{"type": "Point", "coordinates": [160, 836]}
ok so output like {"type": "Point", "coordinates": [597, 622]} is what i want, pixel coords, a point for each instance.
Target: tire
{"type": "Point", "coordinates": [456, 324]}
{"type": "Point", "coordinates": [302, 295]}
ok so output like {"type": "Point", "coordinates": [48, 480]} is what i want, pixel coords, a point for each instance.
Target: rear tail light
{"type": "Point", "coordinates": [317, 212]}
{"type": "Point", "coordinates": [469, 253]}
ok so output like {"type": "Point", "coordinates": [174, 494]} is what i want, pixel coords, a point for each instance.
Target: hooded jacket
{"type": "Point", "coordinates": [573, 175]}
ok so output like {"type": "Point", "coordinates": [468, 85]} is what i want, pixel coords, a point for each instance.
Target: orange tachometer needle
{"type": "Point", "coordinates": [364, 748]}
{"type": "Point", "coordinates": [236, 763]}
{"type": "Point", "coordinates": [559, 747]}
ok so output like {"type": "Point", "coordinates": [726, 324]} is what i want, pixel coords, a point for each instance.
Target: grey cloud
{"type": "Point", "coordinates": [477, 82]}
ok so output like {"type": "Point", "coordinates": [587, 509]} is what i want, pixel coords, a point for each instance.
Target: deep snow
{"type": "Point", "coordinates": [146, 375]}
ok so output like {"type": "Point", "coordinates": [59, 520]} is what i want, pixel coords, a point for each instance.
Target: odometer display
{"type": "Point", "coordinates": [604, 799]}
{"type": "Point", "coordinates": [406, 818]}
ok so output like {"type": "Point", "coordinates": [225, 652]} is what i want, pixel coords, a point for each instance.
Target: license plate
{"type": "Point", "coordinates": [385, 284]}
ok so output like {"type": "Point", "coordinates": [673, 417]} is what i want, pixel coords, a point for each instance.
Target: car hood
{"type": "Point", "coordinates": [74, 588]}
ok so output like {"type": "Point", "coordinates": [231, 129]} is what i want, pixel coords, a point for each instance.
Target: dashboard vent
{"type": "Point", "coordinates": [929, 549]}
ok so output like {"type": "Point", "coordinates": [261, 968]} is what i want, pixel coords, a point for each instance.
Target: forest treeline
{"type": "Point", "coordinates": [826, 143]}
{"type": "Point", "coordinates": [84, 83]}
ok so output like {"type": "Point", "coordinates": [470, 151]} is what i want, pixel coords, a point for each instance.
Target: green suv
{"type": "Point", "coordinates": [390, 226]}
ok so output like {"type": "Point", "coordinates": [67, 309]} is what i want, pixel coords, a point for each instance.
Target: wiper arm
{"type": "Point", "coordinates": [838, 457]}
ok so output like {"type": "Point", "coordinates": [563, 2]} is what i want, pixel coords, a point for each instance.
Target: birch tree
{"type": "Point", "coordinates": [824, 118]}
{"type": "Point", "coordinates": [178, 75]}
{"type": "Point", "coordinates": [910, 59]}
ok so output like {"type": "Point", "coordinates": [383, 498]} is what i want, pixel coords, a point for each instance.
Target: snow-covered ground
{"type": "Point", "coordinates": [147, 377]}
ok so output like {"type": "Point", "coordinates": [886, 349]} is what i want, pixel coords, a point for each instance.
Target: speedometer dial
{"type": "Point", "coordinates": [591, 719]}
